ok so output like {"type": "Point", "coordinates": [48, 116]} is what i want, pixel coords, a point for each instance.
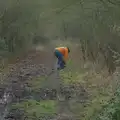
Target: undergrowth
{"type": "Point", "coordinates": [110, 111]}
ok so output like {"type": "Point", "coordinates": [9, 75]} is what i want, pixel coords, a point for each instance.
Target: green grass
{"type": "Point", "coordinates": [72, 75]}
{"type": "Point", "coordinates": [38, 108]}
{"type": "Point", "coordinates": [99, 96]}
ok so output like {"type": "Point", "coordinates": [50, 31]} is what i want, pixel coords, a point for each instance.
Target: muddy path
{"type": "Point", "coordinates": [14, 87]}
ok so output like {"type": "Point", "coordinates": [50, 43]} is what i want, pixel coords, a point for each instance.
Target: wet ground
{"type": "Point", "coordinates": [16, 88]}
{"type": "Point", "coordinates": [29, 84]}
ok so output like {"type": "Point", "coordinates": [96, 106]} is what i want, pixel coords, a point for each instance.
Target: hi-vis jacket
{"type": "Point", "coordinates": [64, 51]}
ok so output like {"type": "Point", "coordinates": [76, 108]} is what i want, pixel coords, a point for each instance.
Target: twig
{"type": "Point", "coordinates": [68, 5]}
{"type": "Point", "coordinates": [118, 3]}
{"type": "Point", "coordinates": [114, 51]}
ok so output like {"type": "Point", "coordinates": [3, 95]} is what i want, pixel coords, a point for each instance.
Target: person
{"type": "Point", "coordinates": [62, 55]}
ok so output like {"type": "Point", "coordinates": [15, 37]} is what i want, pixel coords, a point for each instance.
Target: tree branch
{"type": "Point", "coordinates": [68, 5]}
{"type": "Point", "coordinates": [114, 3]}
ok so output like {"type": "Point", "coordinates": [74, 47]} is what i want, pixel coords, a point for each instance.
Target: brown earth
{"type": "Point", "coordinates": [32, 64]}
{"type": "Point", "coordinates": [36, 63]}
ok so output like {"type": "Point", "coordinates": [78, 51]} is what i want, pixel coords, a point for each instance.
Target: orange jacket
{"type": "Point", "coordinates": [64, 51]}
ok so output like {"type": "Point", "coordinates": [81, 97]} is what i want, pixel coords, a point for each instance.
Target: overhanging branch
{"type": "Point", "coordinates": [68, 5]}
{"type": "Point", "coordinates": [114, 3]}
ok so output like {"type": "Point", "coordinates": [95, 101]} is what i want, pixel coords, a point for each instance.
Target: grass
{"type": "Point", "coordinates": [98, 87]}
{"type": "Point", "coordinates": [96, 105]}
{"type": "Point", "coordinates": [34, 108]}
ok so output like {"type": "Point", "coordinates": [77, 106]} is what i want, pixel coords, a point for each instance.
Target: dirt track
{"type": "Point", "coordinates": [33, 64]}
{"type": "Point", "coordinates": [39, 63]}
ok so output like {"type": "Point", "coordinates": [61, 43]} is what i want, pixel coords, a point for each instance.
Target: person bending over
{"type": "Point", "coordinates": [62, 56]}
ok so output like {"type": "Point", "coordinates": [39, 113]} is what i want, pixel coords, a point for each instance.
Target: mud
{"type": "Point", "coordinates": [15, 87]}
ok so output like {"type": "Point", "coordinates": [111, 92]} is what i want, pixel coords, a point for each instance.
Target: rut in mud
{"type": "Point", "coordinates": [14, 87]}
